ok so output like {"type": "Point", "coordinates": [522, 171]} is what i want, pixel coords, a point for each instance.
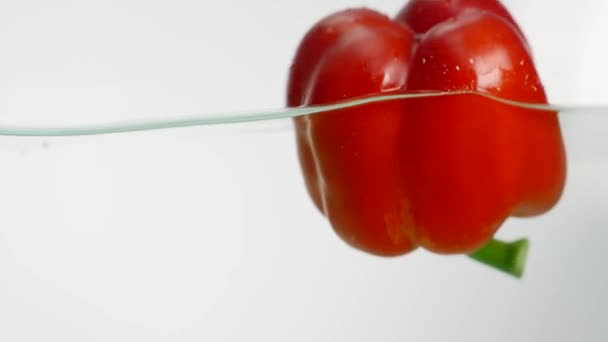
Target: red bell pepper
{"type": "Point", "coordinates": [443, 173]}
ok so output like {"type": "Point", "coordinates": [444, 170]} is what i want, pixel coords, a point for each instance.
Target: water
{"type": "Point", "coordinates": [207, 233]}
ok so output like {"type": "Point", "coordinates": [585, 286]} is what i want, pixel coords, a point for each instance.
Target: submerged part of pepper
{"type": "Point", "coordinates": [233, 118]}
{"type": "Point", "coordinates": [509, 257]}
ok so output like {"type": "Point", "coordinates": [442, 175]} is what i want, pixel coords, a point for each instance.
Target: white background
{"type": "Point", "coordinates": [207, 233]}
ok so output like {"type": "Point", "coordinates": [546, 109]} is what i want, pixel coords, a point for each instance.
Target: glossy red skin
{"type": "Point", "coordinates": [491, 161]}
{"type": "Point", "coordinates": [349, 156]}
{"type": "Point", "coordinates": [421, 15]}
{"type": "Point", "coordinates": [443, 173]}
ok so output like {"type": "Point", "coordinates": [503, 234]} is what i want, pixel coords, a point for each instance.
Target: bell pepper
{"type": "Point", "coordinates": [443, 173]}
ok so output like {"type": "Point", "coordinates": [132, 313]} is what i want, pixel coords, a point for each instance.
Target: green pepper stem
{"type": "Point", "coordinates": [509, 257]}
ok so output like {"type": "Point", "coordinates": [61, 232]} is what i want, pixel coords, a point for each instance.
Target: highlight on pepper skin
{"type": "Point", "coordinates": [442, 173]}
